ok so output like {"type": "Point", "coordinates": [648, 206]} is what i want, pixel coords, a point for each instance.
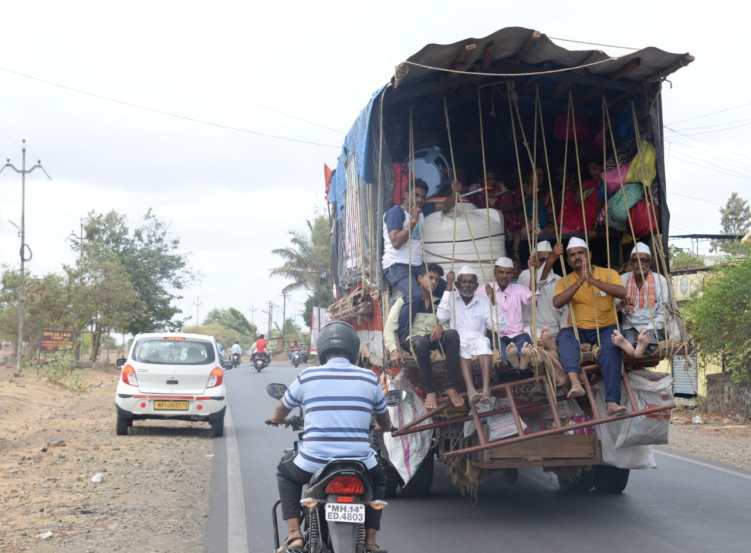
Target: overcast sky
{"type": "Point", "coordinates": [232, 196]}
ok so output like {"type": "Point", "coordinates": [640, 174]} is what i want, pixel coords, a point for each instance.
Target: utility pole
{"type": "Point", "coordinates": [270, 313]}
{"type": "Point", "coordinates": [252, 314]}
{"type": "Point", "coordinates": [24, 251]}
{"type": "Point", "coordinates": [284, 320]}
{"type": "Point", "coordinates": [197, 302]}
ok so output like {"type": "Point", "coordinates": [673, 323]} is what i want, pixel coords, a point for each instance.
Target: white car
{"type": "Point", "coordinates": [171, 376]}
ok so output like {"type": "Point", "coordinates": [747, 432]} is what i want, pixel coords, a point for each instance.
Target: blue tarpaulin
{"type": "Point", "coordinates": [357, 143]}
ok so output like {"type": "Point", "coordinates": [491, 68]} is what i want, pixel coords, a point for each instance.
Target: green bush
{"type": "Point", "coordinates": [720, 320]}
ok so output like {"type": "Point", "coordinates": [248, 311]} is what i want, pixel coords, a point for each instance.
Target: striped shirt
{"type": "Point", "coordinates": [338, 401]}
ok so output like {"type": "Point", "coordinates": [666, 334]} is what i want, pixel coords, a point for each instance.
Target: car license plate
{"type": "Point", "coordinates": [345, 512]}
{"type": "Point", "coordinates": [170, 405]}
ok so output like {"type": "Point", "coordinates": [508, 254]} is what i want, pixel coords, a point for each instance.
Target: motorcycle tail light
{"type": "Point", "coordinates": [345, 485]}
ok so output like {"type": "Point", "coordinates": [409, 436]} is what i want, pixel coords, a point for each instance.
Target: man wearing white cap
{"type": "Point", "coordinates": [644, 308]}
{"type": "Point", "coordinates": [509, 300]}
{"type": "Point", "coordinates": [591, 293]}
{"type": "Point", "coordinates": [468, 313]}
{"type": "Point", "coordinates": [548, 317]}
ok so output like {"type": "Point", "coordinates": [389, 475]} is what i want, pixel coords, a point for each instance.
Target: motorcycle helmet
{"type": "Point", "coordinates": [338, 337]}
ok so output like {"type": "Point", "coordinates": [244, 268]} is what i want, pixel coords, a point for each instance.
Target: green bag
{"type": "Point", "coordinates": [621, 202]}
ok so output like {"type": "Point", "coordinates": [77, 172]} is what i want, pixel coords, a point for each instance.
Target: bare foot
{"type": "Point", "coordinates": [642, 342]}
{"type": "Point", "coordinates": [456, 399]}
{"type": "Point", "coordinates": [621, 342]}
{"type": "Point", "coordinates": [474, 395]}
{"type": "Point", "coordinates": [486, 394]}
{"type": "Point", "coordinates": [512, 354]}
{"type": "Point", "coordinates": [526, 356]}
{"type": "Point", "coordinates": [547, 339]}
{"type": "Point", "coordinates": [576, 387]}
{"type": "Point", "coordinates": [431, 401]}
{"type": "Point", "coordinates": [615, 408]}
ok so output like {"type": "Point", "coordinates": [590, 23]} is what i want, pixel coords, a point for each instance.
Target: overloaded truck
{"type": "Point", "coordinates": [471, 120]}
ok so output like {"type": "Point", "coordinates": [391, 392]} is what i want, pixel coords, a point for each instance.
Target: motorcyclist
{"type": "Point", "coordinates": [259, 347]}
{"type": "Point", "coordinates": [334, 386]}
{"type": "Point", "coordinates": [294, 348]}
{"type": "Point", "coordinates": [236, 348]}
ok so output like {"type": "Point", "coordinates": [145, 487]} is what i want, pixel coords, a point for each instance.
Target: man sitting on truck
{"type": "Point", "coordinates": [645, 306]}
{"type": "Point", "coordinates": [591, 292]}
{"type": "Point", "coordinates": [423, 336]}
{"type": "Point", "coordinates": [469, 314]}
{"type": "Point", "coordinates": [509, 299]}
{"type": "Point", "coordinates": [402, 250]}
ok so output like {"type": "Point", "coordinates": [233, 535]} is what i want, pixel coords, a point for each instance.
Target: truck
{"type": "Point", "coordinates": [509, 103]}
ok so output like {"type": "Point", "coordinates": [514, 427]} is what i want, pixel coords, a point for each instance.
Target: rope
{"type": "Point", "coordinates": [509, 92]}
{"type": "Point", "coordinates": [584, 214]}
{"type": "Point", "coordinates": [410, 204]}
{"type": "Point", "coordinates": [456, 201]}
{"type": "Point", "coordinates": [487, 205]}
{"type": "Point", "coordinates": [505, 75]}
{"type": "Point", "coordinates": [606, 113]}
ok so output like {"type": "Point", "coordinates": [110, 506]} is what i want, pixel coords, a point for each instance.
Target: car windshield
{"type": "Point", "coordinates": [164, 351]}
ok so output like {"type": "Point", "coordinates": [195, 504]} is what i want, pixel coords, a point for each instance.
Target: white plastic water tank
{"type": "Point", "coordinates": [489, 242]}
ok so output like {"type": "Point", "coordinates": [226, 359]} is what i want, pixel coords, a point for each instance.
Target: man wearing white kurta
{"type": "Point", "coordinates": [470, 315]}
{"type": "Point", "coordinates": [547, 315]}
{"type": "Point", "coordinates": [645, 306]}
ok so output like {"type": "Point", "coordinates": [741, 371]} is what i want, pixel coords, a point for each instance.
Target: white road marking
{"type": "Point", "coordinates": [705, 465]}
{"type": "Point", "coordinates": [237, 535]}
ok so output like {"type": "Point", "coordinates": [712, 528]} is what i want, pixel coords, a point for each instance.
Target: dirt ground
{"type": "Point", "coordinates": [717, 439]}
{"type": "Point", "coordinates": [154, 492]}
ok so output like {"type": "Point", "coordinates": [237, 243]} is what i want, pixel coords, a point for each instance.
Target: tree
{"type": "Point", "coordinates": [222, 334]}
{"type": "Point", "coordinates": [233, 319]}
{"type": "Point", "coordinates": [684, 259]}
{"type": "Point", "coordinates": [720, 319]}
{"type": "Point", "coordinates": [306, 262]}
{"type": "Point", "coordinates": [149, 258]}
{"type": "Point", "coordinates": [736, 219]}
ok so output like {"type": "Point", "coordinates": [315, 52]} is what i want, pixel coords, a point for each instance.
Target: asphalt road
{"type": "Point", "coordinates": [683, 506]}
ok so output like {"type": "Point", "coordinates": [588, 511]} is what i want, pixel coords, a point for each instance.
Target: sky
{"type": "Point", "coordinates": [303, 71]}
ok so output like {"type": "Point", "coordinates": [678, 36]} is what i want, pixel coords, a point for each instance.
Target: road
{"type": "Point", "coordinates": [682, 507]}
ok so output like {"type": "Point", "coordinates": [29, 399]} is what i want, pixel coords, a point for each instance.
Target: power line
{"type": "Point", "coordinates": [174, 115]}
{"type": "Point", "coordinates": [593, 43]}
{"type": "Point", "coordinates": [729, 154]}
{"type": "Point", "coordinates": [724, 110]}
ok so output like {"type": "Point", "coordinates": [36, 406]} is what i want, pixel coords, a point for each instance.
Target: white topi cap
{"type": "Point", "coordinates": [641, 247]}
{"type": "Point", "coordinates": [504, 263]}
{"type": "Point", "coordinates": [468, 270]}
{"type": "Point", "coordinates": [576, 242]}
{"type": "Point", "coordinates": [544, 247]}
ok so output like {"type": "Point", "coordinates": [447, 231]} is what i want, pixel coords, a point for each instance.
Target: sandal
{"type": "Point", "coordinates": [288, 544]}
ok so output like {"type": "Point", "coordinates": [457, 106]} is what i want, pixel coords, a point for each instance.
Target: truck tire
{"type": "Point", "coordinates": [582, 482]}
{"type": "Point", "coordinates": [422, 481]}
{"type": "Point", "coordinates": [610, 480]}
{"type": "Point", "coordinates": [217, 426]}
{"type": "Point", "coordinates": [123, 423]}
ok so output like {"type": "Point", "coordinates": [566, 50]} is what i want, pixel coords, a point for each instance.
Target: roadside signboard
{"type": "Point", "coordinates": [55, 340]}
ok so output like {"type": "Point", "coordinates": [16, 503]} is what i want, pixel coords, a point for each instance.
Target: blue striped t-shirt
{"type": "Point", "coordinates": [338, 401]}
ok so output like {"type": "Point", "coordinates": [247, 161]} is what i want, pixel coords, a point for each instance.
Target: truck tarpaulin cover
{"type": "Point", "coordinates": [355, 144]}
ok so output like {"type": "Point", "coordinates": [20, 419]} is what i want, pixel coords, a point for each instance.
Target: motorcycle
{"type": "Point", "coordinates": [296, 357]}
{"type": "Point", "coordinates": [334, 501]}
{"type": "Point", "coordinates": [260, 361]}
{"type": "Point", "coordinates": [235, 360]}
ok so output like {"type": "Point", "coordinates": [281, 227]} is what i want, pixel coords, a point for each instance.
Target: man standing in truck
{"type": "Point", "coordinates": [402, 250]}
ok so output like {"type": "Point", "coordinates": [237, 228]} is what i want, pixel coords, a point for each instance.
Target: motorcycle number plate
{"type": "Point", "coordinates": [345, 512]}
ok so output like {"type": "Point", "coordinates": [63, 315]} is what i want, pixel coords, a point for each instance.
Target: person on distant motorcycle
{"type": "Point", "coordinates": [294, 348]}
{"type": "Point", "coordinates": [259, 347]}
{"type": "Point", "coordinates": [338, 427]}
{"type": "Point", "coordinates": [236, 348]}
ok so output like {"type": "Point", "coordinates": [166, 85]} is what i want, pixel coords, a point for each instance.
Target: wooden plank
{"type": "Point", "coordinates": [558, 446]}
{"type": "Point", "coordinates": [529, 463]}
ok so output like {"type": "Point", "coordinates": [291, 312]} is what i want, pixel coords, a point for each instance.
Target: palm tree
{"type": "Point", "coordinates": [307, 258]}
